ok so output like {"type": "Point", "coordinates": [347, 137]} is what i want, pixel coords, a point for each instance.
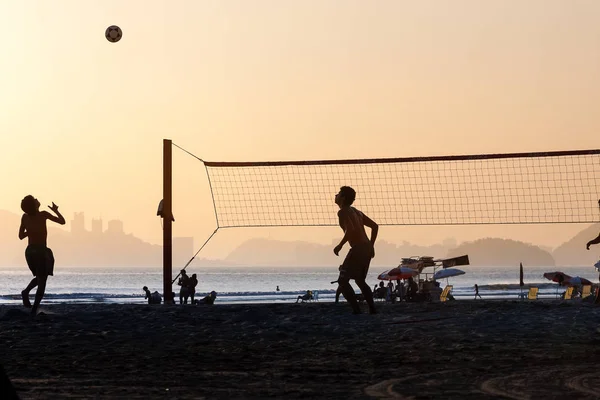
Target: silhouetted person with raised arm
{"type": "Point", "coordinates": [39, 257]}
{"type": "Point", "coordinates": [357, 261]}
{"type": "Point", "coordinates": [593, 241]}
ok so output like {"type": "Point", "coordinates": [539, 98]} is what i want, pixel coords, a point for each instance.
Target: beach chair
{"type": "Point", "coordinates": [586, 291]}
{"type": "Point", "coordinates": [533, 293]}
{"type": "Point", "coordinates": [569, 293]}
{"type": "Point", "coordinates": [445, 293]}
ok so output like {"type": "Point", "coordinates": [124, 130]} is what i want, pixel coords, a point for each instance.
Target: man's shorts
{"type": "Point", "coordinates": [40, 260]}
{"type": "Point", "coordinates": [357, 261]}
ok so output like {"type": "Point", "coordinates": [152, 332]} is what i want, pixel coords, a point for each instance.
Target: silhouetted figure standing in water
{"type": "Point", "coordinates": [39, 257]}
{"type": "Point", "coordinates": [192, 287]}
{"type": "Point", "coordinates": [184, 292]}
{"type": "Point", "coordinates": [357, 261]}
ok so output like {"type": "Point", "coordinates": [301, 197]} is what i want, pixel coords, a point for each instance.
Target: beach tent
{"type": "Point", "coordinates": [420, 263]}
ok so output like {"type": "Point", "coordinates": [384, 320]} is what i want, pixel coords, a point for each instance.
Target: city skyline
{"type": "Point", "coordinates": [78, 246]}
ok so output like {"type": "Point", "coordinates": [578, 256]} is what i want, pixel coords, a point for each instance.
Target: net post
{"type": "Point", "coordinates": [167, 220]}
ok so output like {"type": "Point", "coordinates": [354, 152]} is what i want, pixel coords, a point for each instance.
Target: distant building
{"type": "Point", "coordinates": [78, 223]}
{"type": "Point", "coordinates": [115, 227]}
{"type": "Point", "coordinates": [96, 226]}
{"type": "Point", "coordinates": [183, 250]}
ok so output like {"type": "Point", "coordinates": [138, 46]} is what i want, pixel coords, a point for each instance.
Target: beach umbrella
{"type": "Point", "coordinates": [557, 276]}
{"type": "Point", "coordinates": [385, 277]}
{"type": "Point", "coordinates": [402, 273]}
{"type": "Point", "coordinates": [578, 281]}
{"type": "Point", "coordinates": [447, 273]}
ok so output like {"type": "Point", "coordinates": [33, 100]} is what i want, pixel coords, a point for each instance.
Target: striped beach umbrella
{"type": "Point", "coordinates": [398, 273]}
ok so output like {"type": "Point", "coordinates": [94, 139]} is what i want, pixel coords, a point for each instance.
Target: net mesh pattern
{"type": "Point", "coordinates": [559, 187]}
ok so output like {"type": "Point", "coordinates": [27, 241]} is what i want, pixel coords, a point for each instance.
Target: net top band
{"type": "Point", "coordinates": [566, 153]}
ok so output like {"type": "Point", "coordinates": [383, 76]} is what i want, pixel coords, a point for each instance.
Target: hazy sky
{"type": "Point", "coordinates": [82, 120]}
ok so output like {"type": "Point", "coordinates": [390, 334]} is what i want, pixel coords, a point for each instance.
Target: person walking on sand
{"type": "Point", "coordinates": [477, 292]}
{"type": "Point", "coordinates": [362, 250]}
{"type": "Point", "coordinates": [38, 256]}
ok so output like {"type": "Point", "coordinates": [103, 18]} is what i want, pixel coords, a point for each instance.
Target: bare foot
{"type": "Point", "coordinates": [26, 301]}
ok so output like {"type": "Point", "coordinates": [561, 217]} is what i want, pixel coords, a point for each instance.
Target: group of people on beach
{"type": "Point", "coordinates": [355, 266]}
{"type": "Point", "coordinates": [408, 290]}
{"type": "Point", "coordinates": [187, 287]}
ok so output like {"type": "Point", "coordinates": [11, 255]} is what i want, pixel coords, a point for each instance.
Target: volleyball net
{"type": "Point", "coordinates": [524, 188]}
{"type": "Point", "coordinates": [518, 188]}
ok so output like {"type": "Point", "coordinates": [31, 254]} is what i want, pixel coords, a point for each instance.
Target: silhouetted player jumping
{"type": "Point", "coordinates": [39, 257]}
{"type": "Point", "coordinates": [357, 261]}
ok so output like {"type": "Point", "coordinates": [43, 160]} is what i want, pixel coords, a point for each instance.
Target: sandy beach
{"type": "Point", "coordinates": [455, 350]}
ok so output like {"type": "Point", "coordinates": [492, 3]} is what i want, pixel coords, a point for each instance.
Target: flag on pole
{"type": "Point", "coordinates": [521, 275]}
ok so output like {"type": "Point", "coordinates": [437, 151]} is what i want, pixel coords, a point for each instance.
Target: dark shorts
{"type": "Point", "coordinates": [357, 261]}
{"type": "Point", "coordinates": [40, 260]}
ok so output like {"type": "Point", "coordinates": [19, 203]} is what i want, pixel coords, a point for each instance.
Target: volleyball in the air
{"type": "Point", "coordinates": [113, 34]}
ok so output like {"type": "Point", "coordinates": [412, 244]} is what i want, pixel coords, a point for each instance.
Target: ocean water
{"type": "Point", "coordinates": [258, 284]}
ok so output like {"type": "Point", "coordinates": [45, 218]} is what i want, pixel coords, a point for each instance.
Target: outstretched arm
{"type": "Point", "coordinates": [594, 241]}
{"type": "Point", "coordinates": [59, 219]}
{"type": "Point", "coordinates": [22, 230]}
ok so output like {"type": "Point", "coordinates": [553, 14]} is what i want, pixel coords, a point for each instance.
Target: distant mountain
{"type": "Point", "coordinates": [573, 252]}
{"type": "Point", "coordinates": [501, 252]}
{"type": "Point", "coordinates": [120, 249]}
{"type": "Point", "coordinates": [268, 252]}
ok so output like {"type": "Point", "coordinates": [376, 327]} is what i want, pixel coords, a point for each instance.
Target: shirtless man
{"type": "Point", "coordinates": [356, 264]}
{"type": "Point", "coordinates": [39, 257]}
{"type": "Point", "coordinates": [587, 246]}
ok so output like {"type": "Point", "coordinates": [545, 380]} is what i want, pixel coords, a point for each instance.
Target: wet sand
{"type": "Point", "coordinates": [454, 350]}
